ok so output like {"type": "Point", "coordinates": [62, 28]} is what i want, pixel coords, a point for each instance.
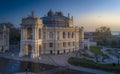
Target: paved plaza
{"type": "Point", "coordinates": [57, 60]}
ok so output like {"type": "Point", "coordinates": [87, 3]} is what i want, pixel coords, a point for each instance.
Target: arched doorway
{"type": "Point", "coordinates": [51, 52]}
{"type": "Point", "coordinates": [58, 52]}
{"type": "Point", "coordinates": [29, 50]}
{"type": "Point", "coordinates": [64, 51]}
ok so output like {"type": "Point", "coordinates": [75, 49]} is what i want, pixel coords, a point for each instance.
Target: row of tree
{"type": "Point", "coordinates": [105, 38]}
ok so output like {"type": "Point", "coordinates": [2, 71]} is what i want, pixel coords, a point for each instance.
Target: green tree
{"type": "Point", "coordinates": [115, 42]}
{"type": "Point", "coordinates": [103, 35]}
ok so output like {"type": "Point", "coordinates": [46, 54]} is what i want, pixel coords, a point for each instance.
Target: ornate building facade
{"type": "Point", "coordinates": [4, 38]}
{"type": "Point", "coordinates": [51, 34]}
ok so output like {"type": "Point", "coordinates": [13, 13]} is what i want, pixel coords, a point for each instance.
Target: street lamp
{"type": "Point", "coordinates": [118, 59]}
{"type": "Point", "coordinates": [27, 67]}
{"type": "Point", "coordinates": [118, 56]}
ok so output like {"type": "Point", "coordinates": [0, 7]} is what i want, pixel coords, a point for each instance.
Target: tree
{"type": "Point", "coordinates": [14, 35]}
{"type": "Point", "coordinates": [103, 35]}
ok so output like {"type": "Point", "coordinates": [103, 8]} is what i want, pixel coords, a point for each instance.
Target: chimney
{"type": "Point", "coordinates": [32, 14]}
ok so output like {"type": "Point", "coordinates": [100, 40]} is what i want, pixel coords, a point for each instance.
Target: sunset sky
{"type": "Point", "coordinates": [90, 14]}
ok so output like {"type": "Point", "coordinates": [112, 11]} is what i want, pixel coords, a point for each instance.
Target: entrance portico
{"type": "Point", "coordinates": [31, 36]}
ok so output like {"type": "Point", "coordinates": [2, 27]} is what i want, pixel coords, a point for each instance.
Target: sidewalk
{"type": "Point", "coordinates": [57, 60]}
{"type": "Point", "coordinates": [112, 59]}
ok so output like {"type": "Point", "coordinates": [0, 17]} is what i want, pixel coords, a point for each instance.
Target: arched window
{"type": "Point", "coordinates": [51, 35]}
{"type": "Point", "coordinates": [29, 33]}
{"type": "Point", "coordinates": [44, 35]}
{"type": "Point", "coordinates": [64, 44]}
{"type": "Point", "coordinates": [64, 34]}
{"type": "Point", "coordinates": [50, 44]}
{"type": "Point", "coordinates": [58, 35]}
{"type": "Point", "coordinates": [39, 33]}
{"type": "Point", "coordinates": [68, 34]}
{"type": "Point", "coordinates": [39, 49]}
{"type": "Point", "coordinates": [28, 51]}
{"type": "Point", "coordinates": [72, 35]}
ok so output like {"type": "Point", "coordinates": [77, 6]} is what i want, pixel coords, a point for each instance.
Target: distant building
{"type": "Point", "coordinates": [89, 39]}
{"type": "Point", "coordinates": [4, 38]}
{"type": "Point", "coordinates": [91, 36]}
{"type": "Point", "coordinates": [52, 34]}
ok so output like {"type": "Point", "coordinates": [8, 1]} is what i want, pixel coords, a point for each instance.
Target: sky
{"type": "Point", "coordinates": [90, 14]}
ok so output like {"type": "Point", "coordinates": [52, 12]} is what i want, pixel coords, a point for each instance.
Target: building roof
{"type": "Point", "coordinates": [1, 26]}
{"type": "Point", "coordinates": [7, 25]}
{"type": "Point", "coordinates": [54, 19]}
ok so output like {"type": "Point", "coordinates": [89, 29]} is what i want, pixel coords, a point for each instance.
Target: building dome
{"type": "Point", "coordinates": [50, 13]}
{"type": "Point", "coordinates": [55, 20]}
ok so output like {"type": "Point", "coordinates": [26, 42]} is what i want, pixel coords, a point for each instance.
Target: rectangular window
{"type": "Point", "coordinates": [44, 35]}
{"type": "Point", "coordinates": [72, 35]}
{"type": "Point", "coordinates": [64, 44]}
{"type": "Point", "coordinates": [68, 34]}
{"type": "Point", "coordinates": [73, 43]}
{"type": "Point", "coordinates": [51, 45]}
{"type": "Point", "coordinates": [58, 37]}
{"type": "Point", "coordinates": [63, 34]}
{"type": "Point", "coordinates": [68, 43]}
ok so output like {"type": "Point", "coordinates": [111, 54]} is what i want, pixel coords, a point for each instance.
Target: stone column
{"type": "Point", "coordinates": [21, 33]}
{"type": "Point", "coordinates": [33, 51]}
{"type": "Point", "coordinates": [33, 33]}
{"type": "Point", "coordinates": [22, 47]}
{"type": "Point", "coordinates": [36, 34]}
{"type": "Point", "coordinates": [66, 35]}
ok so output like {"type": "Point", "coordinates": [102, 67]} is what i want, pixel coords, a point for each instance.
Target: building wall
{"type": "Point", "coordinates": [68, 44]}
{"type": "Point", "coordinates": [4, 39]}
{"type": "Point", "coordinates": [31, 46]}
{"type": "Point", "coordinates": [36, 39]}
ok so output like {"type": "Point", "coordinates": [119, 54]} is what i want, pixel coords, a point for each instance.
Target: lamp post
{"type": "Point", "coordinates": [27, 67]}
{"type": "Point", "coordinates": [118, 56]}
{"type": "Point", "coordinates": [118, 59]}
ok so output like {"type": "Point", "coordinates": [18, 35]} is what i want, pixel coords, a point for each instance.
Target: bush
{"type": "Point", "coordinates": [91, 64]}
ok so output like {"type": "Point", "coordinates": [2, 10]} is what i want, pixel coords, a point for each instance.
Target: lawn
{"type": "Point", "coordinates": [91, 64]}
{"type": "Point", "coordinates": [109, 51]}
{"type": "Point", "coordinates": [88, 56]}
{"type": "Point", "coordinates": [96, 50]}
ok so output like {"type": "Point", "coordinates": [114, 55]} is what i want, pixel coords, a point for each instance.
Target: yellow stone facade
{"type": "Point", "coordinates": [37, 39]}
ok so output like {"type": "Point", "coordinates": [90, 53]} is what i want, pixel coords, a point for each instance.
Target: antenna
{"type": "Point", "coordinates": [32, 14]}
